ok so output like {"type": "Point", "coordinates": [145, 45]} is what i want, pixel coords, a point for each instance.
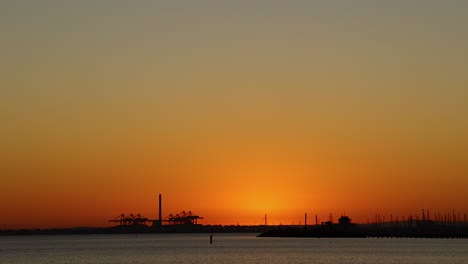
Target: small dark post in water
{"type": "Point", "coordinates": [305, 220]}
{"type": "Point", "coordinates": [211, 239]}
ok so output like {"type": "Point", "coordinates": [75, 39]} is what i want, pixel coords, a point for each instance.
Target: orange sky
{"type": "Point", "coordinates": [232, 110]}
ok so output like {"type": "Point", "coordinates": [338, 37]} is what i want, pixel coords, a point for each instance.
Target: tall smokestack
{"type": "Point", "coordinates": [160, 209]}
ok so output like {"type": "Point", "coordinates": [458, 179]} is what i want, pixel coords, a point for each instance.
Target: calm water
{"type": "Point", "coordinates": [226, 248]}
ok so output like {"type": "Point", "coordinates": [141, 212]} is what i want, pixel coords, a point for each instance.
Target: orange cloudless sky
{"type": "Point", "coordinates": [231, 110]}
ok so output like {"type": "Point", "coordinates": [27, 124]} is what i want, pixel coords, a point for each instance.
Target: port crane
{"type": "Point", "coordinates": [182, 218]}
{"type": "Point", "coordinates": [131, 219]}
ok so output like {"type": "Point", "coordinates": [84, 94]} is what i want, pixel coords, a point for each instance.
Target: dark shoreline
{"type": "Point", "coordinates": [414, 229]}
{"type": "Point", "coordinates": [137, 229]}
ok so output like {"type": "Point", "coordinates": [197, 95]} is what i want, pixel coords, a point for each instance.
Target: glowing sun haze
{"type": "Point", "coordinates": [231, 109]}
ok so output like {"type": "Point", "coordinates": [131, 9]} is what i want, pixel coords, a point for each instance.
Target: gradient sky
{"type": "Point", "coordinates": [231, 109]}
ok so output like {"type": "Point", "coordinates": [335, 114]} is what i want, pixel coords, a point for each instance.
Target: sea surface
{"type": "Point", "coordinates": [227, 248]}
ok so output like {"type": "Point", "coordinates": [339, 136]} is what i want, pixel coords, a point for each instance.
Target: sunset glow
{"type": "Point", "coordinates": [231, 110]}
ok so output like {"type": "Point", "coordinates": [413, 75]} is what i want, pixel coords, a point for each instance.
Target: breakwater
{"type": "Point", "coordinates": [414, 229]}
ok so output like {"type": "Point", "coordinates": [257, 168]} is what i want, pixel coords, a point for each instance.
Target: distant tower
{"type": "Point", "coordinates": [266, 220]}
